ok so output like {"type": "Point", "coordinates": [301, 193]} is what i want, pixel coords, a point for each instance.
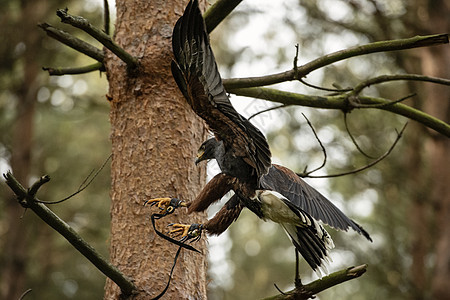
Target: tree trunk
{"type": "Point", "coordinates": [436, 62]}
{"type": "Point", "coordinates": [431, 222]}
{"type": "Point", "coordinates": [155, 136]}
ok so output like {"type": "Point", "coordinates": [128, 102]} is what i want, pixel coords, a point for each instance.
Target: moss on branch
{"type": "Point", "coordinates": [343, 102]}
{"type": "Point", "coordinates": [301, 71]}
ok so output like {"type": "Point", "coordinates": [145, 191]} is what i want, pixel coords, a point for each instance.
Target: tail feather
{"type": "Point", "coordinates": [313, 243]}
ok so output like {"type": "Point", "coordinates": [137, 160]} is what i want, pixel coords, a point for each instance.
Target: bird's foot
{"type": "Point", "coordinates": [190, 233]}
{"type": "Point", "coordinates": [166, 205]}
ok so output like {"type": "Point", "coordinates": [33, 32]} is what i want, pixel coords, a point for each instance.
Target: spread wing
{"type": "Point", "coordinates": [302, 195]}
{"type": "Point", "coordinates": [195, 71]}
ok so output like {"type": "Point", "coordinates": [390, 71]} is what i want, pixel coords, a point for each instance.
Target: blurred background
{"type": "Point", "coordinates": [60, 126]}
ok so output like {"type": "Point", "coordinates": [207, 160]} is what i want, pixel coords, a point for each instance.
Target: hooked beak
{"type": "Point", "coordinates": [199, 157]}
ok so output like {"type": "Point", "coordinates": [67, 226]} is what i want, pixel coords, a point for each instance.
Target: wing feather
{"type": "Point", "coordinates": [196, 74]}
{"type": "Point", "coordinates": [305, 197]}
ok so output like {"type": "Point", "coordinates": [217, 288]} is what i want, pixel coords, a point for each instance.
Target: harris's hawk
{"type": "Point", "coordinates": [271, 192]}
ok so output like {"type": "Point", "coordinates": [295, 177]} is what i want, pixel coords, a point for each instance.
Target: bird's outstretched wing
{"type": "Point", "coordinates": [195, 71]}
{"type": "Point", "coordinates": [305, 197]}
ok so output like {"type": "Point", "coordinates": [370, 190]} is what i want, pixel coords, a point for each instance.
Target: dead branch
{"type": "Point", "coordinates": [324, 151]}
{"type": "Point", "coordinates": [27, 198]}
{"type": "Point", "coordinates": [76, 70]}
{"type": "Point", "coordinates": [383, 46]}
{"type": "Point", "coordinates": [73, 42]}
{"type": "Point", "coordinates": [354, 140]}
{"type": "Point", "coordinates": [103, 38]}
{"type": "Point", "coordinates": [371, 164]}
{"type": "Point", "coordinates": [267, 110]}
{"type": "Point", "coordinates": [310, 290]}
{"type": "Point", "coordinates": [385, 78]}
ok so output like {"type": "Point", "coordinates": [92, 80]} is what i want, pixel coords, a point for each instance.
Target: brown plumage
{"type": "Point", "coordinates": [195, 71]}
{"type": "Point", "coordinates": [272, 192]}
{"type": "Point", "coordinates": [213, 191]}
{"type": "Point", "coordinates": [224, 217]}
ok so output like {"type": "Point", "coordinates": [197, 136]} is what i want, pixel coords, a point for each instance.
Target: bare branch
{"type": "Point", "coordinates": [267, 110]}
{"type": "Point", "coordinates": [25, 293]}
{"type": "Point", "coordinates": [308, 84]}
{"type": "Point", "coordinates": [73, 42]}
{"type": "Point", "coordinates": [399, 135]}
{"type": "Point", "coordinates": [391, 45]}
{"type": "Point", "coordinates": [219, 11]}
{"type": "Point", "coordinates": [354, 140]}
{"type": "Point", "coordinates": [342, 102]}
{"type": "Point", "coordinates": [385, 78]}
{"type": "Point", "coordinates": [32, 191]}
{"type": "Point", "coordinates": [86, 182]}
{"type": "Point", "coordinates": [379, 105]}
{"type": "Point", "coordinates": [106, 40]}
{"type": "Point", "coordinates": [310, 290]}
{"type": "Point", "coordinates": [27, 199]}
{"type": "Point", "coordinates": [324, 151]}
{"type": "Point", "coordinates": [76, 70]}
{"type": "Point", "coordinates": [324, 88]}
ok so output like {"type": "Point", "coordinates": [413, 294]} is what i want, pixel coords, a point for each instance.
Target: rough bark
{"type": "Point", "coordinates": [155, 136]}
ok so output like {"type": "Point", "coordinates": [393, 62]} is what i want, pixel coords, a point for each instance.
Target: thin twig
{"type": "Point", "coordinates": [73, 42]}
{"type": "Point", "coordinates": [25, 293]}
{"type": "Point", "coordinates": [32, 191]}
{"type": "Point", "coordinates": [84, 184]}
{"type": "Point", "coordinates": [106, 40]}
{"type": "Point", "coordinates": [341, 102]}
{"type": "Point", "coordinates": [324, 151]}
{"type": "Point", "coordinates": [267, 110]}
{"type": "Point", "coordinates": [399, 135]}
{"type": "Point", "coordinates": [385, 78]}
{"type": "Point", "coordinates": [126, 285]}
{"type": "Point", "coordinates": [296, 61]}
{"type": "Point", "coordinates": [309, 84]}
{"type": "Point", "coordinates": [98, 66]}
{"type": "Point", "coordinates": [381, 105]}
{"type": "Point", "coordinates": [324, 88]}
{"type": "Point", "coordinates": [383, 46]}
{"type": "Point", "coordinates": [354, 140]}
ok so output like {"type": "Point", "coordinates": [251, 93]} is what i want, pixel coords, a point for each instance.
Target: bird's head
{"type": "Point", "coordinates": [207, 150]}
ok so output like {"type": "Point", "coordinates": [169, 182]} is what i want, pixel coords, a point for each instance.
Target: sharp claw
{"type": "Point", "coordinates": [191, 233]}
{"type": "Point", "coordinates": [159, 201]}
{"type": "Point", "coordinates": [166, 205]}
{"type": "Point", "coordinates": [179, 230]}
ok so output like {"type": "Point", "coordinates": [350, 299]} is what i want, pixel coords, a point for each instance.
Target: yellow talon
{"type": "Point", "coordinates": [180, 230]}
{"type": "Point", "coordinates": [160, 201]}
